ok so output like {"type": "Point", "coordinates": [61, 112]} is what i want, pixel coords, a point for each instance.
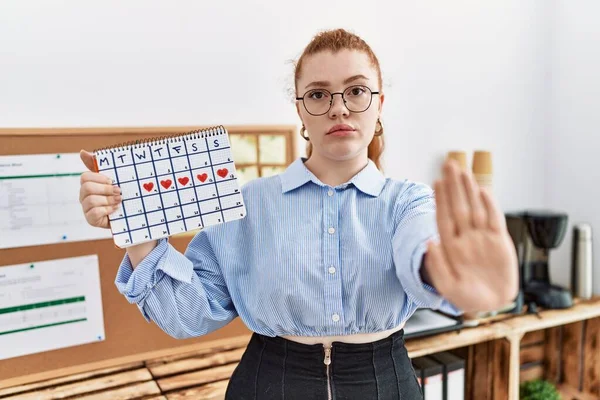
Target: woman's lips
{"type": "Point", "coordinates": [341, 130]}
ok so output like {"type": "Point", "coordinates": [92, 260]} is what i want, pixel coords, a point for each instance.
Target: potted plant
{"type": "Point", "coordinates": [538, 389]}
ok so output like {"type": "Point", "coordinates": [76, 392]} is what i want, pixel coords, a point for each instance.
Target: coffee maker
{"type": "Point", "coordinates": [534, 234]}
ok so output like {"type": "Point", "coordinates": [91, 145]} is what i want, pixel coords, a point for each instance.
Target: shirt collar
{"type": "Point", "coordinates": [369, 180]}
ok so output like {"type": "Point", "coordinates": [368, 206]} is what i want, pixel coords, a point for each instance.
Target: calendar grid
{"type": "Point", "coordinates": [118, 184]}
{"type": "Point", "coordinates": [187, 155]}
{"type": "Point", "coordinates": [140, 192]}
{"type": "Point", "coordinates": [159, 196]}
{"type": "Point", "coordinates": [216, 186]}
{"type": "Point", "coordinates": [208, 213]}
{"type": "Point", "coordinates": [170, 186]}
{"type": "Point", "coordinates": [167, 174]}
{"type": "Point", "coordinates": [176, 188]}
{"type": "Point", "coordinates": [200, 201]}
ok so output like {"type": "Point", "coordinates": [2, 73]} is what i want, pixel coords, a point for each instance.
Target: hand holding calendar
{"type": "Point", "coordinates": [167, 186]}
{"type": "Point", "coordinates": [97, 195]}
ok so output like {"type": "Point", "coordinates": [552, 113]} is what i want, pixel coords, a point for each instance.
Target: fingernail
{"type": "Point", "coordinates": [118, 198]}
{"type": "Point", "coordinates": [117, 190]}
{"type": "Point", "coordinates": [109, 181]}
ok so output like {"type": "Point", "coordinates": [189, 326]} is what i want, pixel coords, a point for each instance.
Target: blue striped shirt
{"type": "Point", "coordinates": [308, 259]}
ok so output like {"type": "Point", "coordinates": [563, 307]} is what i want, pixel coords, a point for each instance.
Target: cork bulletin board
{"type": "Point", "coordinates": [257, 150]}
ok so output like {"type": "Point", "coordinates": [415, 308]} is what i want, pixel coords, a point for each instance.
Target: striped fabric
{"type": "Point", "coordinates": [308, 259]}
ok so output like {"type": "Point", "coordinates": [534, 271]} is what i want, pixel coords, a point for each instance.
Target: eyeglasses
{"type": "Point", "coordinates": [356, 98]}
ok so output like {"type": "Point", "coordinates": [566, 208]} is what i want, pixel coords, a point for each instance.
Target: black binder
{"type": "Point", "coordinates": [432, 376]}
{"type": "Point", "coordinates": [452, 366]}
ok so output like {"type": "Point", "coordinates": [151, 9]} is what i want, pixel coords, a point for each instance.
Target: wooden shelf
{"type": "Point", "coordinates": [500, 339]}
{"type": "Point", "coordinates": [419, 347]}
{"type": "Point", "coordinates": [495, 351]}
{"type": "Point", "coordinates": [582, 310]}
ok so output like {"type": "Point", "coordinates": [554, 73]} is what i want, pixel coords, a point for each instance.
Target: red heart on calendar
{"type": "Point", "coordinates": [184, 180]}
{"type": "Point", "coordinates": [202, 177]}
{"type": "Point", "coordinates": [148, 186]}
{"type": "Point", "coordinates": [166, 183]}
{"type": "Point", "coordinates": [222, 172]}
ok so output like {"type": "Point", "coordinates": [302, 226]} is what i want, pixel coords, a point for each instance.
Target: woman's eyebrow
{"type": "Point", "coordinates": [327, 83]}
{"type": "Point", "coordinates": [355, 77]}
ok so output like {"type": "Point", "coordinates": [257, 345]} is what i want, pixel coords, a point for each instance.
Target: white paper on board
{"type": "Point", "coordinates": [39, 201]}
{"type": "Point", "coordinates": [50, 305]}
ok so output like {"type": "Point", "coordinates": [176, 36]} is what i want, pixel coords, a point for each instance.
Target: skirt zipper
{"type": "Point", "coordinates": [327, 362]}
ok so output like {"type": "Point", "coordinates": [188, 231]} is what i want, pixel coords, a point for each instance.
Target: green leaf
{"type": "Point", "coordinates": [538, 390]}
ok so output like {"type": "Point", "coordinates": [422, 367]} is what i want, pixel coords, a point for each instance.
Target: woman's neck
{"type": "Point", "coordinates": [334, 173]}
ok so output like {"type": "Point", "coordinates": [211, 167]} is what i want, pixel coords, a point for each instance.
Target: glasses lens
{"type": "Point", "coordinates": [358, 98]}
{"type": "Point", "coordinates": [317, 101]}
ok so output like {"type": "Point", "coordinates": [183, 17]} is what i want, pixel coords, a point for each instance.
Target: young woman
{"type": "Point", "coordinates": [332, 257]}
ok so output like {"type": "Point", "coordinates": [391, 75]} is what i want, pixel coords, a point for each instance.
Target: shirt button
{"type": "Point", "coordinates": [330, 193]}
{"type": "Point", "coordinates": [332, 270]}
{"type": "Point", "coordinates": [331, 230]}
{"type": "Point", "coordinates": [335, 317]}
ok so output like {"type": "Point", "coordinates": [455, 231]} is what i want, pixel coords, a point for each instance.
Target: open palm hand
{"type": "Point", "coordinates": [474, 265]}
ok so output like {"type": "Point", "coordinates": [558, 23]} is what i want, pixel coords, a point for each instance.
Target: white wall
{"type": "Point", "coordinates": [467, 75]}
{"type": "Point", "coordinates": [458, 75]}
{"type": "Point", "coordinates": [573, 145]}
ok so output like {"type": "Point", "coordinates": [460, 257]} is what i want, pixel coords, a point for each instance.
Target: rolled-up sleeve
{"type": "Point", "coordinates": [415, 226]}
{"type": "Point", "coordinates": [184, 294]}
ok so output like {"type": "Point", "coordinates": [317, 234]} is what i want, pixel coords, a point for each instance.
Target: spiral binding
{"type": "Point", "coordinates": [178, 137]}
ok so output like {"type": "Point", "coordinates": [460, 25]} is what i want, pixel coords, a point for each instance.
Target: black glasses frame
{"type": "Point", "coordinates": [343, 99]}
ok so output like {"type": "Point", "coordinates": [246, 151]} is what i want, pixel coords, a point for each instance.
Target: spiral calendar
{"type": "Point", "coordinates": [171, 185]}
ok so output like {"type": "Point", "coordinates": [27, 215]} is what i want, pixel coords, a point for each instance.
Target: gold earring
{"type": "Point", "coordinates": [302, 130]}
{"type": "Point", "coordinates": [378, 128]}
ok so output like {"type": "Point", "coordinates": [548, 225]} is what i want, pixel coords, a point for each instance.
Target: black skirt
{"type": "Point", "coordinates": [273, 368]}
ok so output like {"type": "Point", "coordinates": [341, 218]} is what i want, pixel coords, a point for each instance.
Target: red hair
{"type": "Point", "coordinates": [334, 41]}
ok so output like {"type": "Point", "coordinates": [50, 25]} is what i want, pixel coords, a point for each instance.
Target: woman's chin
{"type": "Point", "coordinates": [344, 153]}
